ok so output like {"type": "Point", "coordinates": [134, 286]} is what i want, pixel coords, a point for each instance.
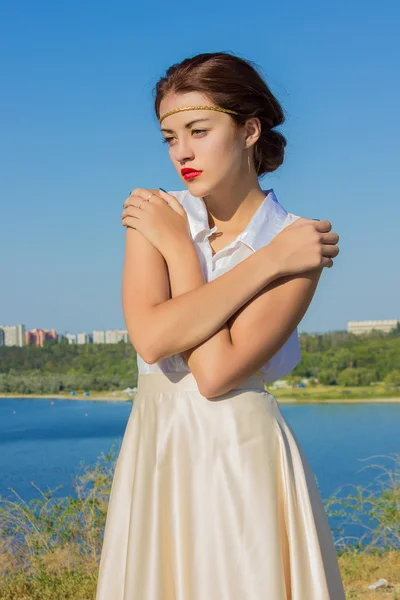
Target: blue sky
{"type": "Point", "coordinates": [78, 132]}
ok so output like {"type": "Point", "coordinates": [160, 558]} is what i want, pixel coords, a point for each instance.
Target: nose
{"type": "Point", "coordinates": [182, 151]}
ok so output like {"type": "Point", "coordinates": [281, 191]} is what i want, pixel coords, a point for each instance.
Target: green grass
{"type": "Point", "coordinates": [310, 393]}
{"type": "Point", "coordinates": [336, 392]}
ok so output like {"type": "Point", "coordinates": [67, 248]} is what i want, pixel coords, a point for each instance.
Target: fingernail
{"type": "Point", "coordinates": [163, 190]}
{"type": "Point", "coordinates": [316, 219]}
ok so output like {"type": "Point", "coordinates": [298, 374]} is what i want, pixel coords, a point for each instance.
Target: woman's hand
{"type": "Point", "coordinates": [160, 218]}
{"type": "Point", "coordinates": [305, 245]}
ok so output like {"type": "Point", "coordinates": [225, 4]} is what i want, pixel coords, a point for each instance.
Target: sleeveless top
{"type": "Point", "coordinates": [268, 220]}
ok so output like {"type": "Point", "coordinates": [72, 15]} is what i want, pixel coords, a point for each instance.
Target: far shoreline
{"type": "Point", "coordinates": [283, 400]}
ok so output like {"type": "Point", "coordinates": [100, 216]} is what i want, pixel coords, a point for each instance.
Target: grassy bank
{"type": "Point", "coordinates": [50, 547]}
{"type": "Point", "coordinates": [312, 393]}
{"type": "Point", "coordinates": [102, 395]}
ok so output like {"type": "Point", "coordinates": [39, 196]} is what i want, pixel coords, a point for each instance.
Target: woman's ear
{"type": "Point", "coordinates": [252, 131]}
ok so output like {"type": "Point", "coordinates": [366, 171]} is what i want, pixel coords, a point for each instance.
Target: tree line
{"type": "Point", "coordinates": [335, 358]}
{"type": "Point", "coordinates": [342, 358]}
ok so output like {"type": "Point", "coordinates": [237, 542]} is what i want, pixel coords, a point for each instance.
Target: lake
{"type": "Point", "coordinates": [44, 441]}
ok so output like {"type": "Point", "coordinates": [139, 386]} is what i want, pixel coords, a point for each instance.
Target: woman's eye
{"type": "Point", "coordinates": [169, 139]}
{"type": "Point", "coordinates": [199, 131]}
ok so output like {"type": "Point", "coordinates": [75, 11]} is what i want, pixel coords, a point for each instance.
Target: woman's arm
{"type": "Point", "coordinates": [185, 274]}
{"type": "Point", "coordinates": [260, 328]}
{"type": "Point", "coordinates": [160, 326]}
{"type": "Point", "coordinates": [252, 335]}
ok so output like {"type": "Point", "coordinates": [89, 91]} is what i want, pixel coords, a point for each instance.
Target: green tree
{"type": "Point", "coordinates": [358, 376]}
{"type": "Point", "coordinates": [393, 378]}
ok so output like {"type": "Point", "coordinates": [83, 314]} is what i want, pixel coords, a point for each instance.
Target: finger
{"type": "Point", "coordinates": [330, 251]}
{"type": "Point", "coordinates": [330, 238]}
{"type": "Point", "coordinates": [129, 211]}
{"type": "Point", "coordinates": [130, 222]}
{"type": "Point", "coordinates": [132, 201]}
{"type": "Point", "coordinates": [156, 195]}
{"type": "Point", "coordinates": [323, 226]}
{"type": "Point", "coordinates": [144, 193]}
{"type": "Point", "coordinates": [133, 204]}
{"type": "Point", "coordinates": [138, 201]}
{"type": "Point", "coordinates": [138, 193]}
{"type": "Point", "coordinates": [133, 217]}
{"type": "Point", "coordinates": [151, 195]}
{"type": "Point", "coordinates": [327, 262]}
{"type": "Point", "coordinates": [171, 201]}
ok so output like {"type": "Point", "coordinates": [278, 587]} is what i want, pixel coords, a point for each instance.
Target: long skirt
{"type": "Point", "coordinates": [214, 499]}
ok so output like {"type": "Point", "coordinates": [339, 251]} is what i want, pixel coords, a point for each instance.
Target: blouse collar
{"type": "Point", "coordinates": [266, 222]}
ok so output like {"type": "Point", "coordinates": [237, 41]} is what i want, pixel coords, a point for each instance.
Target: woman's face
{"type": "Point", "coordinates": [204, 140]}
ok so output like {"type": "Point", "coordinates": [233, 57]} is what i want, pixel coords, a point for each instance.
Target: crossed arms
{"type": "Point", "coordinates": [227, 328]}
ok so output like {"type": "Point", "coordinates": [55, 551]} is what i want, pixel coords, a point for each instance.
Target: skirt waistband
{"type": "Point", "coordinates": [162, 382]}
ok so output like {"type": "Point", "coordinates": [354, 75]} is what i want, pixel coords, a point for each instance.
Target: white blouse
{"type": "Point", "coordinates": [268, 220]}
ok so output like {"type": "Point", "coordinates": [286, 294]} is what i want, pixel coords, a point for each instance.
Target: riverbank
{"type": "Point", "coordinates": [107, 397]}
{"type": "Point", "coordinates": [337, 400]}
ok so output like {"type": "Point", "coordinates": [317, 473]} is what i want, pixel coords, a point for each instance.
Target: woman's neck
{"type": "Point", "coordinates": [231, 209]}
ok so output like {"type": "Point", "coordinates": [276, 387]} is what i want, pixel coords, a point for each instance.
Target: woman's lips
{"type": "Point", "coordinates": [192, 175]}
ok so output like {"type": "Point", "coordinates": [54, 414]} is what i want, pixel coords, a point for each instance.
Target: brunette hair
{"type": "Point", "coordinates": [235, 84]}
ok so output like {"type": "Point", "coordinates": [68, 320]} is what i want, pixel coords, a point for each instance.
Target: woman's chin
{"type": "Point", "coordinates": [198, 188]}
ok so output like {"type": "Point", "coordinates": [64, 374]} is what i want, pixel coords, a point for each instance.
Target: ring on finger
{"type": "Point", "coordinates": [147, 199]}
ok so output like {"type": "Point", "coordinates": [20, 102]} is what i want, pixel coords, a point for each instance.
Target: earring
{"type": "Point", "coordinates": [248, 162]}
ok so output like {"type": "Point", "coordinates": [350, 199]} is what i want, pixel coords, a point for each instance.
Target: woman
{"type": "Point", "coordinates": [213, 498]}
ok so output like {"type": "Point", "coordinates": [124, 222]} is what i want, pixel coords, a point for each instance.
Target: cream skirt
{"type": "Point", "coordinates": [214, 499]}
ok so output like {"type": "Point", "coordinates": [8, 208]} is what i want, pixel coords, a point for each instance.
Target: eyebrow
{"type": "Point", "coordinates": [187, 125]}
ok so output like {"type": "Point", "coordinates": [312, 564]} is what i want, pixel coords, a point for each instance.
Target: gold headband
{"type": "Point", "coordinates": [176, 110]}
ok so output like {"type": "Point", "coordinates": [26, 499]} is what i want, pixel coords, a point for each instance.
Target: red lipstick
{"type": "Point", "coordinates": [190, 173]}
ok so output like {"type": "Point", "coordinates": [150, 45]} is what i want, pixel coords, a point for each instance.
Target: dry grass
{"type": "Point", "coordinates": [50, 548]}
{"type": "Point", "coordinates": [359, 570]}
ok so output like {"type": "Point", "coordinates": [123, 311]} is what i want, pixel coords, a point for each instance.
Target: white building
{"type": "Point", "coordinates": [71, 337]}
{"type": "Point", "coordinates": [99, 337]}
{"type": "Point", "coordinates": [360, 327]}
{"type": "Point", "coordinates": [113, 336]}
{"type": "Point", "coordinates": [83, 338]}
{"type": "Point", "coordinates": [13, 335]}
